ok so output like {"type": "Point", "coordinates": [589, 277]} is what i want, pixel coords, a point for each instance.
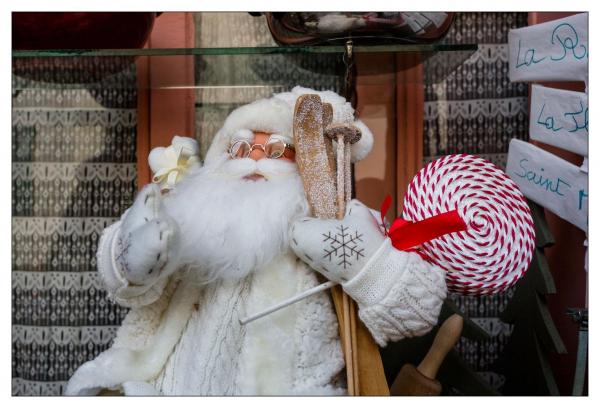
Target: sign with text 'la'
{"type": "Point", "coordinates": [552, 51]}
{"type": "Point", "coordinates": [550, 181]}
{"type": "Point", "coordinates": [559, 118]}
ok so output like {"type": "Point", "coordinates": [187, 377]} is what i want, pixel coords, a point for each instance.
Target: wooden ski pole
{"type": "Point", "coordinates": [345, 135]}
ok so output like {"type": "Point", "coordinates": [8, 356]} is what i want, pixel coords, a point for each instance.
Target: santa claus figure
{"type": "Point", "coordinates": [231, 238]}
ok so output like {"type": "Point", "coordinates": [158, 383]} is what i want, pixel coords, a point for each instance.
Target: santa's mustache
{"type": "Point", "coordinates": [270, 169]}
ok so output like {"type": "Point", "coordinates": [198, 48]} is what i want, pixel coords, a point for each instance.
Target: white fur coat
{"type": "Point", "coordinates": [184, 338]}
{"type": "Point", "coordinates": [190, 342]}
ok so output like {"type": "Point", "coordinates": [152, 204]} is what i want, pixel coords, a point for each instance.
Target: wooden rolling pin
{"type": "Point", "coordinates": [421, 380]}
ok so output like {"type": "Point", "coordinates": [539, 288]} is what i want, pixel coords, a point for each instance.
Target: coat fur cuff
{"type": "Point", "coordinates": [118, 287]}
{"type": "Point", "coordinates": [112, 277]}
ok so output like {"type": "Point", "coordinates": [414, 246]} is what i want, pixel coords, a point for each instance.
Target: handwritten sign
{"type": "Point", "coordinates": [550, 181]}
{"type": "Point", "coordinates": [552, 51]}
{"type": "Point", "coordinates": [559, 118]}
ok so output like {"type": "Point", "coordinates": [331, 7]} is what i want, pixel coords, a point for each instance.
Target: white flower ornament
{"type": "Point", "coordinates": [170, 164]}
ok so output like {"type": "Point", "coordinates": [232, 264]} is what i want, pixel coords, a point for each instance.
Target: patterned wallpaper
{"type": "Point", "coordinates": [475, 109]}
{"type": "Point", "coordinates": [73, 174]}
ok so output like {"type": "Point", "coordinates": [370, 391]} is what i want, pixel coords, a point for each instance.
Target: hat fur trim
{"type": "Point", "coordinates": [275, 115]}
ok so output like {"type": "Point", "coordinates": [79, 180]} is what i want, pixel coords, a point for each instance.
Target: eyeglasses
{"type": "Point", "coordinates": [274, 148]}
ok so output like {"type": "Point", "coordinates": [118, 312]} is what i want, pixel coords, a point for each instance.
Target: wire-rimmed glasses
{"type": "Point", "coordinates": [274, 148]}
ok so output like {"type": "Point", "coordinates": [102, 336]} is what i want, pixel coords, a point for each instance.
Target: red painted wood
{"type": "Point", "coordinates": [166, 94]}
{"type": "Point", "coordinates": [171, 80]}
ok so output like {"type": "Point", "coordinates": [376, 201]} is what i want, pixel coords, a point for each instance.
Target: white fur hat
{"type": "Point", "coordinates": [275, 115]}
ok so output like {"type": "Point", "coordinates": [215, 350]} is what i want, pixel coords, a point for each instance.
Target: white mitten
{"type": "Point", "coordinates": [145, 248]}
{"type": "Point", "coordinates": [338, 249]}
{"type": "Point", "coordinates": [399, 294]}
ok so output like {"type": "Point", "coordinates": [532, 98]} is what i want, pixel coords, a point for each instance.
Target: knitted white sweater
{"type": "Point", "coordinates": [294, 351]}
{"type": "Point", "coordinates": [179, 339]}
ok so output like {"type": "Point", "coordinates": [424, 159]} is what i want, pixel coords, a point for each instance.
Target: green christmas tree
{"type": "Point", "coordinates": [524, 360]}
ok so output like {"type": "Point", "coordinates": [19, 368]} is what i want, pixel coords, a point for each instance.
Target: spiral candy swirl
{"type": "Point", "coordinates": [497, 247]}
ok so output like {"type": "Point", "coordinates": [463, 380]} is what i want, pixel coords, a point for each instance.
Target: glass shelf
{"type": "Point", "coordinates": [217, 70]}
{"type": "Point", "coordinates": [323, 49]}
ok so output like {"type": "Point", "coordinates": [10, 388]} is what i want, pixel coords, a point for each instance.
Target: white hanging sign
{"type": "Point", "coordinates": [550, 181]}
{"type": "Point", "coordinates": [559, 118]}
{"type": "Point", "coordinates": [552, 51]}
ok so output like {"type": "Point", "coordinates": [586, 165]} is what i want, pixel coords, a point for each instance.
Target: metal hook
{"type": "Point", "coordinates": [348, 56]}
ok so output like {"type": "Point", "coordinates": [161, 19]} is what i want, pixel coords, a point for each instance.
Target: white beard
{"type": "Point", "coordinates": [231, 226]}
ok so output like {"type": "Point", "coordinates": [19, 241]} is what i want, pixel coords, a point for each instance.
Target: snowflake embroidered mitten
{"type": "Point", "coordinates": [399, 294]}
{"type": "Point", "coordinates": [338, 249]}
{"type": "Point", "coordinates": [140, 250]}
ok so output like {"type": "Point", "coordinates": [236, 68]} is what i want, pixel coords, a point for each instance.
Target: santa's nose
{"type": "Point", "coordinates": [260, 139]}
{"type": "Point", "coordinates": [257, 153]}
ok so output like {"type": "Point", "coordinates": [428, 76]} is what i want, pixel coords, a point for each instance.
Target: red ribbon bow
{"type": "Point", "coordinates": [407, 234]}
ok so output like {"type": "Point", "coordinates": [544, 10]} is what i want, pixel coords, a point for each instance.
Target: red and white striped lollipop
{"type": "Point", "coordinates": [496, 248]}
